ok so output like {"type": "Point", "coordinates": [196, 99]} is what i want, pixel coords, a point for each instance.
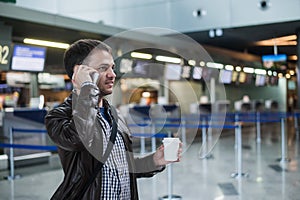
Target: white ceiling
{"type": "Point", "coordinates": [243, 22]}
{"type": "Point", "coordinates": [171, 14]}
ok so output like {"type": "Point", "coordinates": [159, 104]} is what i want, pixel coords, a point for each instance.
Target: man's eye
{"type": "Point", "coordinates": [102, 69]}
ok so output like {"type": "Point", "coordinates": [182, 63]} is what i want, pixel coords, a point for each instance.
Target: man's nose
{"type": "Point", "coordinates": [111, 73]}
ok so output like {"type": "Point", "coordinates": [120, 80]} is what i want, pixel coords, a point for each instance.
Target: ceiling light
{"type": "Point", "coordinates": [119, 52]}
{"type": "Point", "coordinates": [270, 73]}
{"type": "Point", "coordinates": [146, 94]}
{"type": "Point", "coordinates": [214, 65]}
{"type": "Point", "coordinates": [229, 67]}
{"type": "Point", "coordinates": [248, 70]}
{"type": "Point", "coordinates": [215, 32]}
{"type": "Point", "coordinates": [260, 71]}
{"type": "Point", "coordinates": [278, 43]}
{"type": "Point", "coordinates": [211, 33]}
{"type": "Point", "coordinates": [219, 32]}
{"type": "Point", "coordinates": [288, 37]}
{"type": "Point", "coordinates": [293, 57]}
{"type": "Point", "coordinates": [238, 68]}
{"type": "Point", "coordinates": [141, 55]}
{"type": "Point", "coordinates": [46, 43]}
{"type": "Point", "coordinates": [192, 62]}
{"type": "Point", "coordinates": [202, 63]}
{"type": "Point", "coordinates": [290, 40]}
{"type": "Point", "coordinates": [168, 59]}
{"type": "Point", "coordinates": [292, 72]}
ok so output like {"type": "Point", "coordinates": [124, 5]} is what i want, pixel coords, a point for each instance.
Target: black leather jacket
{"type": "Point", "coordinates": [78, 161]}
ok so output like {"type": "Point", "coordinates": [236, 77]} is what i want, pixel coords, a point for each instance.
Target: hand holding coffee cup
{"type": "Point", "coordinates": [169, 152]}
{"type": "Point", "coordinates": [171, 147]}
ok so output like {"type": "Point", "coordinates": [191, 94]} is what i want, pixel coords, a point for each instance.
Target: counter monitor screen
{"type": "Point", "coordinates": [273, 80]}
{"type": "Point", "coordinates": [186, 72]}
{"type": "Point", "coordinates": [28, 58]}
{"type": "Point", "coordinates": [173, 72]}
{"type": "Point", "coordinates": [141, 69]}
{"type": "Point", "coordinates": [197, 73]}
{"type": "Point", "coordinates": [225, 76]}
{"type": "Point", "coordinates": [260, 80]}
{"type": "Point", "coordinates": [207, 73]}
{"type": "Point", "coordinates": [126, 65]}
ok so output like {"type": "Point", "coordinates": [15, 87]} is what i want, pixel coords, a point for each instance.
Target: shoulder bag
{"type": "Point", "coordinates": [110, 145]}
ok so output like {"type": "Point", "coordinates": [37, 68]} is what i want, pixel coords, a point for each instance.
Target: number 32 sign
{"type": "Point", "coordinates": [5, 54]}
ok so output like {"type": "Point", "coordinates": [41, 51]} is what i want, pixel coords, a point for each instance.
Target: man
{"type": "Point", "coordinates": [82, 127]}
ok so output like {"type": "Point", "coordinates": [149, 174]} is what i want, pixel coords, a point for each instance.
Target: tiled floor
{"type": "Point", "coordinates": [194, 178]}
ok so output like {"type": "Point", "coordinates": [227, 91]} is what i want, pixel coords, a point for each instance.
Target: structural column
{"type": "Point", "coordinates": [5, 46]}
{"type": "Point", "coordinates": [298, 67]}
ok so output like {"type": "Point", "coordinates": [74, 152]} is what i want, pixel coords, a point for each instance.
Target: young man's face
{"type": "Point", "coordinates": [103, 62]}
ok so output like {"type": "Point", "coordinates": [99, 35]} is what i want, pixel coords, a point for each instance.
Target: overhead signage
{"type": "Point", "coordinates": [28, 58]}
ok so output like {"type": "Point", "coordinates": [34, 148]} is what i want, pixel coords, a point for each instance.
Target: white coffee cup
{"type": "Point", "coordinates": [171, 146]}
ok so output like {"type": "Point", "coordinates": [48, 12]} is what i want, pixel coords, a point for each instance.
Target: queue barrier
{"type": "Point", "coordinates": [296, 124]}
{"type": "Point", "coordinates": [157, 135]}
{"type": "Point", "coordinates": [154, 135]}
{"type": "Point", "coordinates": [205, 122]}
{"type": "Point", "coordinates": [238, 144]}
{"type": "Point", "coordinates": [143, 134]}
{"type": "Point", "coordinates": [202, 126]}
{"type": "Point", "coordinates": [258, 118]}
{"type": "Point", "coordinates": [12, 146]}
{"type": "Point", "coordinates": [255, 117]}
{"type": "Point", "coordinates": [238, 118]}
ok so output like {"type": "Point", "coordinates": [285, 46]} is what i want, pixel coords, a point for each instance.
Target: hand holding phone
{"type": "Point", "coordinates": [95, 77]}
{"type": "Point", "coordinates": [83, 73]}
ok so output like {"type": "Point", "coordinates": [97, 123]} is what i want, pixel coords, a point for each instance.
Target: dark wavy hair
{"type": "Point", "coordinates": [79, 50]}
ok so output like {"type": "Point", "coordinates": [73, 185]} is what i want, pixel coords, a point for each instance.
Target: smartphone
{"type": "Point", "coordinates": [95, 77]}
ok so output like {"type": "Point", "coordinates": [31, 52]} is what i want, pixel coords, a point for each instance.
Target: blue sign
{"type": "Point", "coordinates": [274, 58]}
{"type": "Point", "coordinates": [28, 58]}
{"type": "Point", "coordinates": [29, 51]}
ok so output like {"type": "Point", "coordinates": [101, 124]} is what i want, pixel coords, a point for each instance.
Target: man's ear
{"type": "Point", "coordinates": [75, 69]}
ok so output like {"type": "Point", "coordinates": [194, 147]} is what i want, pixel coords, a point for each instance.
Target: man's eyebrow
{"type": "Point", "coordinates": [106, 64]}
{"type": "Point", "coordinates": [103, 64]}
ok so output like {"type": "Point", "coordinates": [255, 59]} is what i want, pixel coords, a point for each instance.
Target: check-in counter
{"type": "Point", "coordinates": [221, 106]}
{"type": "Point", "coordinates": [144, 111]}
{"type": "Point", "coordinates": [205, 108]}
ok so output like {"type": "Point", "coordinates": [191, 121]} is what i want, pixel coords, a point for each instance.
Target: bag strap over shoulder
{"type": "Point", "coordinates": [109, 148]}
{"type": "Point", "coordinates": [113, 135]}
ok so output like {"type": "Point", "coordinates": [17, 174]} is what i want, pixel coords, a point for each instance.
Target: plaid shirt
{"type": "Point", "coordinates": [115, 173]}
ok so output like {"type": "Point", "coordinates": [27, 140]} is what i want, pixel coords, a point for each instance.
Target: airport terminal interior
{"type": "Point", "coordinates": [222, 76]}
